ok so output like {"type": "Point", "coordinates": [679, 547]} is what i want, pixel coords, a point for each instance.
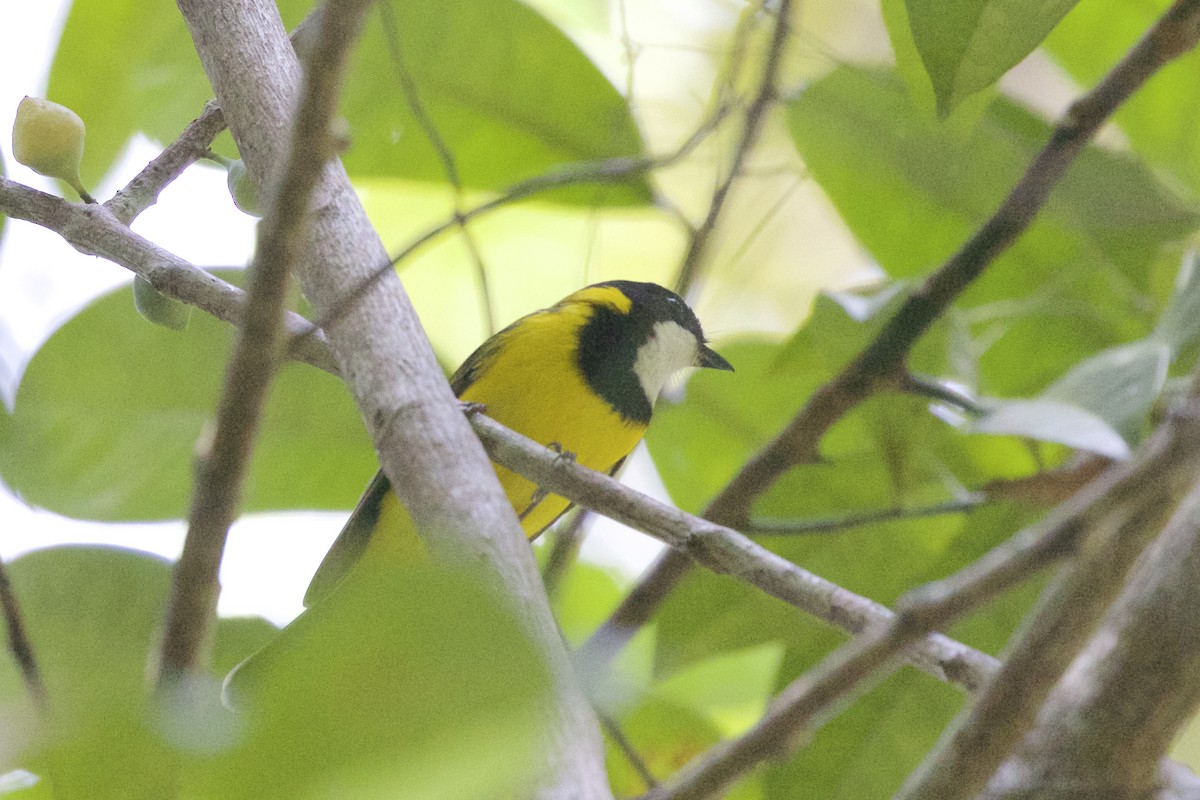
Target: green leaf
{"type": "Point", "coordinates": [93, 615]}
{"type": "Point", "coordinates": [1161, 118]}
{"type": "Point", "coordinates": [108, 413]}
{"type": "Point", "coordinates": [1119, 385]}
{"type": "Point", "coordinates": [1054, 421]}
{"type": "Point", "coordinates": [913, 190]}
{"type": "Point", "coordinates": [1179, 324]}
{"type": "Point", "coordinates": [511, 96]}
{"type": "Point", "coordinates": [408, 683]}
{"type": "Point", "coordinates": [969, 44]}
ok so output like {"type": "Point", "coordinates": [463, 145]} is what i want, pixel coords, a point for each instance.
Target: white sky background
{"type": "Point", "coordinates": [43, 281]}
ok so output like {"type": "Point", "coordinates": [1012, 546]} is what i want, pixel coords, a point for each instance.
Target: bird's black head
{"type": "Point", "coordinates": [638, 335]}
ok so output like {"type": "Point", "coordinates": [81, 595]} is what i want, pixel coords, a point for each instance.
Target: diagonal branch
{"type": "Point", "coordinates": [882, 362]}
{"type": "Point", "coordinates": [142, 192]}
{"type": "Point", "coordinates": [752, 124]}
{"type": "Point", "coordinates": [222, 466]}
{"type": "Point", "coordinates": [18, 642]}
{"type": "Point", "coordinates": [95, 230]}
{"type": "Point", "coordinates": [1107, 725]}
{"type": "Point", "coordinates": [1132, 497]}
{"type": "Point", "coordinates": [724, 551]}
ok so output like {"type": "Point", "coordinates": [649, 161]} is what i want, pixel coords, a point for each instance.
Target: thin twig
{"type": "Point", "coordinates": [618, 737]}
{"type": "Point", "coordinates": [723, 550]}
{"type": "Point", "coordinates": [142, 192]}
{"type": "Point", "coordinates": [449, 164]}
{"type": "Point", "coordinates": [805, 527]}
{"type": "Point", "coordinates": [19, 644]}
{"type": "Point", "coordinates": [885, 356]}
{"type": "Point", "coordinates": [221, 468]}
{"type": "Point", "coordinates": [610, 170]}
{"type": "Point", "coordinates": [564, 549]}
{"type": "Point", "coordinates": [752, 125]}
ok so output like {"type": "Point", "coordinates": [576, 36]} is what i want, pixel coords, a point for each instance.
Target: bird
{"type": "Point", "coordinates": [581, 377]}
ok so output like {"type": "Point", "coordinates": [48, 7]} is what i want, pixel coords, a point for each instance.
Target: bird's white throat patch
{"type": "Point", "coordinates": [670, 348]}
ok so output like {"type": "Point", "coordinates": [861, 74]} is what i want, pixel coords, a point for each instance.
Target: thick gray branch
{"type": "Point", "coordinates": [1107, 725]}
{"type": "Point", "coordinates": [436, 465]}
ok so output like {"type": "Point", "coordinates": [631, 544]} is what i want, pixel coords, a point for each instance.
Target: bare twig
{"type": "Point", "coordinates": [142, 192]}
{"type": "Point", "coordinates": [221, 467]}
{"type": "Point", "coordinates": [449, 164]}
{"type": "Point", "coordinates": [723, 550]}
{"type": "Point", "coordinates": [18, 642]}
{"type": "Point", "coordinates": [618, 737]}
{"type": "Point", "coordinates": [610, 170]}
{"type": "Point", "coordinates": [807, 527]}
{"type": "Point", "coordinates": [884, 358]}
{"type": "Point", "coordinates": [564, 549]}
{"type": "Point", "coordinates": [94, 230]}
{"type": "Point", "coordinates": [752, 124]}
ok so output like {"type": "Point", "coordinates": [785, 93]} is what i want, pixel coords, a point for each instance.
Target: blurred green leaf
{"type": "Point", "coordinates": [1161, 118]}
{"type": "Point", "coordinates": [1119, 385]}
{"type": "Point", "coordinates": [913, 190]}
{"type": "Point", "coordinates": [402, 683]}
{"type": "Point", "coordinates": [1054, 421]}
{"type": "Point", "coordinates": [93, 616]}
{"type": "Point", "coordinates": [665, 736]}
{"type": "Point", "coordinates": [510, 95]}
{"type": "Point", "coordinates": [1179, 324]}
{"type": "Point", "coordinates": [108, 413]}
{"type": "Point", "coordinates": [968, 45]}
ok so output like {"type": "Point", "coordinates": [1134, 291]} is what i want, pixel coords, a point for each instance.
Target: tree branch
{"type": "Point", "coordinates": [94, 230]}
{"type": "Point", "coordinates": [221, 467]}
{"type": "Point", "coordinates": [19, 644]}
{"type": "Point", "coordinates": [142, 192]}
{"type": "Point", "coordinates": [724, 551]}
{"type": "Point", "coordinates": [1107, 725]}
{"type": "Point", "coordinates": [1121, 494]}
{"type": "Point", "coordinates": [972, 748]}
{"type": "Point", "coordinates": [436, 466]}
{"type": "Point", "coordinates": [874, 367]}
{"type": "Point", "coordinates": [752, 125]}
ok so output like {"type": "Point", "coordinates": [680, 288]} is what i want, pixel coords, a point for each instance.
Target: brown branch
{"type": "Point", "coordinates": [723, 550]}
{"type": "Point", "coordinates": [18, 642]}
{"type": "Point", "coordinates": [756, 115]}
{"type": "Point", "coordinates": [885, 356]}
{"type": "Point", "coordinates": [142, 192]}
{"type": "Point", "coordinates": [221, 467]}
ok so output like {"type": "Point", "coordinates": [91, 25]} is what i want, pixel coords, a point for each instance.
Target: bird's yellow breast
{"type": "Point", "coordinates": [533, 385]}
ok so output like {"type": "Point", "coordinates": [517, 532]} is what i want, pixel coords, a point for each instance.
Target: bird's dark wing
{"type": "Point", "coordinates": [477, 363]}
{"type": "Point", "coordinates": [350, 543]}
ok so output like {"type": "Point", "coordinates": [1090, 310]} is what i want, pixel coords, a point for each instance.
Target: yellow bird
{"type": "Point", "coordinates": [581, 376]}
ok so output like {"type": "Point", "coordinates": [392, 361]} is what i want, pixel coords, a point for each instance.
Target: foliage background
{"type": "Point", "coordinates": [868, 173]}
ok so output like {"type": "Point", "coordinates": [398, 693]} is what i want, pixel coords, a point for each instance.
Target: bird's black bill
{"type": "Point", "coordinates": [712, 359]}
